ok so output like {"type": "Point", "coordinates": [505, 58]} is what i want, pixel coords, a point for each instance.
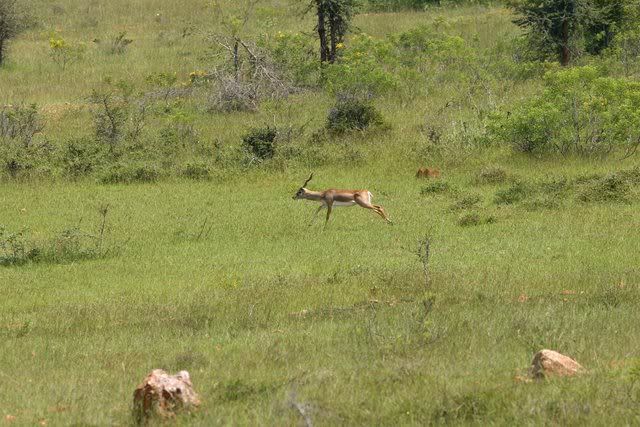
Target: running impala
{"type": "Point", "coordinates": [338, 198]}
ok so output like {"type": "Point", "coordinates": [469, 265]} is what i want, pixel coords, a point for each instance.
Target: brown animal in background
{"type": "Point", "coordinates": [428, 173]}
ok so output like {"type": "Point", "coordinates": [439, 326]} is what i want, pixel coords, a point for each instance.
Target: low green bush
{"type": "Point", "coordinates": [261, 142]}
{"type": "Point", "coordinates": [610, 188]}
{"type": "Point", "coordinates": [352, 114]}
{"type": "Point", "coordinates": [515, 193]}
{"type": "Point", "coordinates": [580, 111]}
{"type": "Point", "coordinates": [491, 175]}
{"type": "Point", "coordinates": [470, 219]}
{"type": "Point", "coordinates": [80, 157]}
{"type": "Point", "coordinates": [436, 187]}
{"type": "Point", "coordinates": [467, 201]}
{"type": "Point", "coordinates": [366, 67]}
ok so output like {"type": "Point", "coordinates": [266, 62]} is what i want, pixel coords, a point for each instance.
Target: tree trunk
{"type": "Point", "coordinates": [322, 31]}
{"type": "Point", "coordinates": [566, 53]}
{"type": "Point", "coordinates": [236, 59]}
{"type": "Point", "coordinates": [1, 50]}
{"type": "Point", "coordinates": [333, 40]}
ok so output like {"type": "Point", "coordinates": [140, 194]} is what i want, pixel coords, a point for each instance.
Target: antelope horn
{"type": "Point", "coordinates": [307, 181]}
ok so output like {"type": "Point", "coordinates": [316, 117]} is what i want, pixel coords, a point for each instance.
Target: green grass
{"type": "Point", "coordinates": [264, 305]}
{"type": "Point", "coordinates": [224, 278]}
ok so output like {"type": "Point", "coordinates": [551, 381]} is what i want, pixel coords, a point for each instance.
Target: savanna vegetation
{"type": "Point", "coordinates": [149, 152]}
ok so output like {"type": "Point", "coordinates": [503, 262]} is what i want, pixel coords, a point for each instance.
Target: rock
{"type": "Point", "coordinates": [164, 395]}
{"type": "Point", "coordinates": [551, 363]}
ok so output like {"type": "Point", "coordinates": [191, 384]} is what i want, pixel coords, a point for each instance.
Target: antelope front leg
{"type": "Point", "coordinates": [315, 215]}
{"type": "Point", "coordinates": [329, 206]}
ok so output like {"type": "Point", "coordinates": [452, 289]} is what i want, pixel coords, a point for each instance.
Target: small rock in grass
{"type": "Point", "coordinates": [548, 363]}
{"type": "Point", "coordinates": [164, 395]}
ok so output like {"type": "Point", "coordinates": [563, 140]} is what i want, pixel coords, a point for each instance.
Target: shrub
{"type": "Point", "coordinates": [610, 188]}
{"type": "Point", "coordinates": [178, 134]}
{"type": "Point", "coordinates": [632, 176]}
{"type": "Point", "coordinates": [469, 219]}
{"type": "Point", "coordinates": [626, 50]}
{"type": "Point", "coordinates": [231, 95]}
{"type": "Point", "coordinates": [14, 248]}
{"type": "Point", "coordinates": [117, 44]}
{"type": "Point", "coordinates": [109, 115]}
{"type": "Point", "coordinates": [80, 157]}
{"type": "Point", "coordinates": [436, 187]}
{"type": "Point", "coordinates": [542, 202]}
{"type": "Point", "coordinates": [365, 68]}
{"type": "Point", "coordinates": [422, 44]}
{"type": "Point", "coordinates": [295, 53]}
{"type": "Point", "coordinates": [64, 53]}
{"type": "Point", "coordinates": [20, 123]}
{"type": "Point", "coordinates": [513, 194]}
{"type": "Point", "coordinates": [71, 244]}
{"type": "Point", "coordinates": [18, 127]}
{"type": "Point", "coordinates": [491, 175]}
{"type": "Point", "coordinates": [474, 218]}
{"type": "Point", "coordinates": [555, 186]}
{"type": "Point", "coordinates": [352, 114]}
{"type": "Point", "coordinates": [261, 142]}
{"type": "Point", "coordinates": [466, 202]}
{"type": "Point", "coordinates": [578, 112]}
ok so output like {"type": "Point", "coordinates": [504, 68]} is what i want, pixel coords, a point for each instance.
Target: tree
{"type": "Point", "coordinates": [559, 28]}
{"type": "Point", "coordinates": [607, 20]}
{"type": "Point", "coordinates": [11, 23]}
{"type": "Point", "coordinates": [334, 17]}
{"type": "Point", "coordinates": [233, 26]}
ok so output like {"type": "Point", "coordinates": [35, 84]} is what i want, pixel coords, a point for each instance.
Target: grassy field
{"type": "Point", "coordinates": [226, 279]}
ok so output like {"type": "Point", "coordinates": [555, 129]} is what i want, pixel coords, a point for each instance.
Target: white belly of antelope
{"type": "Point", "coordinates": [340, 204]}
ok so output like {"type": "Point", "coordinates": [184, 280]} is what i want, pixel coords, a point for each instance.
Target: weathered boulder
{"type": "Point", "coordinates": [551, 363]}
{"type": "Point", "coordinates": [164, 395]}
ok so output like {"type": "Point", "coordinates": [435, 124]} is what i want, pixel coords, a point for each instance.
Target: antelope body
{"type": "Point", "coordinates": [339, 198]}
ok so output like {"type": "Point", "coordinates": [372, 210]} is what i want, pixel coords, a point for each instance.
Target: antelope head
{"type": "Point", "coordinates": [301, 191]}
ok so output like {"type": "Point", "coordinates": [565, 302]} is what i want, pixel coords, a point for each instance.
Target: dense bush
{"type": "Point", "coordinates": [19, 151]}
{"type": "Point", "coordinates": [80, 157]}
{"type": "Point", "coordinates": [424, 43]}
{"type": "Point", "coordinates": [261, 142]}
{"type": "Point", "coordinates": [352, 114]}
{"type": "Point", "coordinates": [579, 111]}
{"type": "Point", "coordinates": [295, 54]}
{"type": "Point", "coordinates": [366, 67]}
